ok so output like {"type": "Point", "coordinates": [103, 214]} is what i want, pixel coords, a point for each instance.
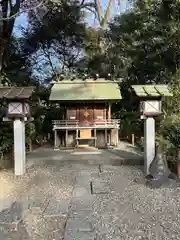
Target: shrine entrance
{"type": "Point", "coordinates": [87, 107]}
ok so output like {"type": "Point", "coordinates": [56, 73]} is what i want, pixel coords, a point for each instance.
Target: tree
{"type": "Point", "coordinates": [57, 39]}
{"type": "Point", "coordinates": [7, 10]}
{"type": "Point", "coordinates": [145, 43]}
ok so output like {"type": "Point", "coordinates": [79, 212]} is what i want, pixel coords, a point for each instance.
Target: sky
{"type": "Point", "coordinates": [21, 21]}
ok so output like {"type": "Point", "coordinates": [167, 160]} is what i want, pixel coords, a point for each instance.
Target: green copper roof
{"type": "Point", "coordinates": [151, 90]}
{"type": "Point", "coordinates": [80, 90]}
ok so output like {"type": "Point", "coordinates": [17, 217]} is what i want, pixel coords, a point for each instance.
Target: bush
{"type": "Point", "coordinates": [169, 134]}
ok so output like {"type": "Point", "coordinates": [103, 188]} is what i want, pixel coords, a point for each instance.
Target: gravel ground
{"type": "Point", "coordinates": [134, 211]}
{"type": "Point", "coordinates": [40, 185]}
{"type": "Point", "coordinates": [120, 207]}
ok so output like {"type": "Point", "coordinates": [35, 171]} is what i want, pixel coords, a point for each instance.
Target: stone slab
{"type": "Point", "coordinates": [81, 191]}
{"type": "Point", "coordinates": [56, 208]}
{"type": "Point", "coordinates": [14, 213]}
{"type": "Point", "coordinates": [3, 236]}
{"type": "Point", "coordinates": [79, 203]}
{"type": "Point", "coordinates": [82, 214]}
{"type": "Point", "coordinates": [86, 153]}
{"type": "Point", "coordinates": [83, 178]}
{"type": "Point", "coordinates": [100, 187]}
{"type": "Point", "coordinates": [37, 203]}
{"type": "Point", "coordinates": [108, 168]}
{"type": "Point", "coordinates": [5, 228]}
{"type": "Point", "coordinates": [49, 228]}
{"type": "Point", "coordinates": [78, 225]}
{"type": "Point", "coordinates": [13, 231]}
{"type": "Point", "coordinates": [79, 236]}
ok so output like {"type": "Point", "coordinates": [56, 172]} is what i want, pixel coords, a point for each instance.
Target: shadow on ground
{"type": "Point", "coordinates": [126, 157]}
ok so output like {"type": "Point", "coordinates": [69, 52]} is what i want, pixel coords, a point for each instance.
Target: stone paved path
{"type": "Point", "coordinates": [85, 196]}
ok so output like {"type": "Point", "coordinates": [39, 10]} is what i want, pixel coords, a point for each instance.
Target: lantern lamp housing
{"type": "Point", "coordinates": [18, 109]}
{"type": "Point", "coordinates": [150, 107]}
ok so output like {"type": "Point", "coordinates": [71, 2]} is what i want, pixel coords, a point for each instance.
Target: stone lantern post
{"type": "Point", "coordinates": [150, 107]}
{"type": "Point", "coordinates": [18, 112]}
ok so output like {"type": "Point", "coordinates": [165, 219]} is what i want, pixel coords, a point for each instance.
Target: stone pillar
{"type": "Point", "coordinates": [19, 147]}
{"type": "Point", "coordinates": [149, 143]}
{"type": "Point", "coordinates": [24, 141]}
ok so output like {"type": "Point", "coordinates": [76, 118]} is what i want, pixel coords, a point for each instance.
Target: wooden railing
{"type": "Point", "coordinates": [59, 124]}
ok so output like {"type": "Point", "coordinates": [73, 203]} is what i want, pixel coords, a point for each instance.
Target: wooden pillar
{"type": "Point", "coordinates": [49, 136]}
{"type": "Point", "coordinates": [132, 139]}
{"type": "Point", "coordinates": [77, 134]}
{"type": "Point", "coordinates": [55, 138]}
{"type": "Point", "coordinates": [117, 136]}
{"type": "Point", "coordinates": [30, 144]}
{"type": "Point", "coordinates": [95, 137]}
{"type": "Point", "coordinates": [66, 140]}
{"type": "Point", "coordinates": [106, 136]}
{"type": "Point", "coordinates": [109, 112]}
{"type": "Point", "coordinates": [63, 140]}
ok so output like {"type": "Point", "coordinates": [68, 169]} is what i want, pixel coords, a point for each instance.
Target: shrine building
{"type": "Point", "coordinates": [86, 118]}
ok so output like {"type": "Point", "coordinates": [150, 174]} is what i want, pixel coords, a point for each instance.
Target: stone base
{"type": "Point", "coordinates": [161, 182]}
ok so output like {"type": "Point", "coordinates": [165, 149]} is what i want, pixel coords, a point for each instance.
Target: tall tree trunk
{"type": "Point", "coordinates": [1, 30]}
{"type": "Point", "coordinates": [8, 12]}
{"type": "Point", "coordinates": [103, 19]}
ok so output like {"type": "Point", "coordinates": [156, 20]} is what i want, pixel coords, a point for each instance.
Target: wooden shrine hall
{"type": "Point", "coordinates": [86, 112]}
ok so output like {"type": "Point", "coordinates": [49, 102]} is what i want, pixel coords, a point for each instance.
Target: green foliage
{"type": "Point", "coordinates": [169, 133]}
{"type": "Point", "coordinates": [142, 44]}
{"type": "Point", "coordinates": [171, 105]}
{"type": "Point", "coordinates": [6, 131]}
{"type": "Point", "coordinates": [55, 42]}
{"type": "Point", "coordinates": [169, 128]}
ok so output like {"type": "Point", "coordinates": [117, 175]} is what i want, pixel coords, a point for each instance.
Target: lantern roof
{"type": "Point", "coordinates": [149, 90]}
{"type": "Point", "coordinates": [16, 92]}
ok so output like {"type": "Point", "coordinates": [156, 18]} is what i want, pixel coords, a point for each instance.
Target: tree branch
{"type": "Point", "coordinates": [98, 9]}
{"type": "Point", "coordinates": [20, 12]}
{"type": "Point", "coordinates": [107, 14]}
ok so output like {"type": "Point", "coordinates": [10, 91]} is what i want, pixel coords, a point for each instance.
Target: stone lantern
{"type": "Point", "coordinates": [18, 111]}
{"type": "Point", "coordinates": [150, 106]}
